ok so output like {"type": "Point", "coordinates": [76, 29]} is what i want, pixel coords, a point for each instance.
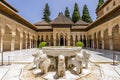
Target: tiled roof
{"type": "Point", "coordinates": [80, 22]}
{"type": "Point", "coordinates": [41, 23]}
{"type": "Point", "coordinates": [61, 19]}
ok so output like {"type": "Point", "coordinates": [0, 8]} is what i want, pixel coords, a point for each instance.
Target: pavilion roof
{"type": "Point", "coordinates": [61, 19]}
{"type": "Point", "coordinates": [80, 22]}
{"type": "Point", "coordinates": [41, 23]}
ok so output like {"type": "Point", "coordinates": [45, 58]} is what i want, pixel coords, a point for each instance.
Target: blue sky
{"type": "Point", "coordinates": [32, 10]}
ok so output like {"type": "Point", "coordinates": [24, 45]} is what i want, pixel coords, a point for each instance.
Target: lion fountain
{"type": "Point", "coordinates": [46, 61]}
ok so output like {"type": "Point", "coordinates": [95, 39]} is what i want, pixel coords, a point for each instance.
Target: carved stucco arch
{"type": "Point", "coordinates": [61, 33]}
{"type": "Point", "coordinates": [9, 26]}
{"type": "Point", "coordinates": [116, 26]}
{"type": "Point", "coordinates": [109, 31]}
{"type": "Point", "coordinates": [20, 32]}
{"type": "Point", "coordinates": [24, 32]}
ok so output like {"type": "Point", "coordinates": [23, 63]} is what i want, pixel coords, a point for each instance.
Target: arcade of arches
{"type": "Point", "coordinates": [105, 40]}
{"type": "Point", "coordinates": [100, 40]}
{"type": "Point", "coordinates": [15, 39]}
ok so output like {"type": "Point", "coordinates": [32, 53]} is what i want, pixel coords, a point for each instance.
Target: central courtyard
{"type": "Point", "coordinates": [43, 40]}
{"type": "Point", "coordinates": [101, 61]}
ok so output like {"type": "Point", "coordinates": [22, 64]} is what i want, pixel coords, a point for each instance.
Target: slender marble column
{"type": "Point", "coordinates": [73, 42]}
{"type": "Point", "coordinates": [102, 43]}
{"type": "Point", "coordinates": [21, 42]}
{"type": "Point", "coordinates": [54, 42]}
{"type": "Point", "coordinates": [111, 42]}
{"type": "Point", "coordinates": [1, 41]}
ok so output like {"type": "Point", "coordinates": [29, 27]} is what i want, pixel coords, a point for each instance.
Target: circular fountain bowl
{"type": "Point", "coordinates": [56, 51]}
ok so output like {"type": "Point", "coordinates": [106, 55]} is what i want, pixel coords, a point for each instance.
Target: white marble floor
{"type": "Point", "coordinates": [103, 56]}
{"type": "Point", "coordinates": [11, 72]}
{"type": "Point", "coordinates": [19, 56]}
{"type": "Point", "coordinates": [19, 59]}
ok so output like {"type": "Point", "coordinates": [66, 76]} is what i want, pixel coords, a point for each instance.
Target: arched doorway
{"type": "Point", "coordinates": [17, 40]}
{"type": "Point", "coordinates": [28, 41]}
{"type": "Point", "coordinates": [95, 41]}
{"type": "Point", "coordinates": [61, 41]}
{"type": "Point", "coordinates": [106, 40]}
{"type": "Point", "coordinates": [42, 38]}
{"type": "Point", "coordinates": [34, 42]}
{"type": "Point", "coordinates": [76, 39]}
{"type": "Point", "coordinates": [62, 38]}
{"type": "Point", "coordinates": [116, 38]}
{"type": "Point", "coordinates": [51, 40]}
{"type": "Point", "coordinates": [90, 41]}
{"type": "Point", "coordinates": [47, 39]}
{"type": "Point", "coordinates": [23, 40]}
{"type": "Point", "coordinates": [99, 40]}
{"type": "Point", "coordinates": [71, 40]}
{"type": "Point", "coordinates": [81, 38]}
{"type": "Point", "coordinates": [7, 39]}
{"type": "Point", "coordinates": [84, 41]}
{"type": "Point", "coordinates": [38, 41]}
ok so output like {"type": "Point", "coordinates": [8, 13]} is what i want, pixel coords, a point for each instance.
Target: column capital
{"type": "Point", "coordinates": [54, 38]}
{"type": "Point", "coordinates": [21, 35]}
{"type": "Point", "coordinates": [2, 32]}
{"type": "Point", "coordinates": [73, 39]}
{"type": "Point", "coordinates": [102, 38]}
{"type": "Point", "coordinates": [110, 37]}
{"type": "Point", "coordinates": [13, 34]}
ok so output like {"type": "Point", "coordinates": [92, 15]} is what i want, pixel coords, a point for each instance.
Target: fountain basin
{"type": "Point", "coordinates": [56, 51]}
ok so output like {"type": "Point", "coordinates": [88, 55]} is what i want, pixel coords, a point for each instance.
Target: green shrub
{"type": "Point", "coordinates": [42, 44]}
{"type": "Point", "coordinates": [80, 44]}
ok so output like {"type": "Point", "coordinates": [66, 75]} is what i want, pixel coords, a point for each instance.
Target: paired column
{"type": "Point", "coordinates": [111, 42]}
{"type": "Point", "coordinates": [59, 41]}
{"type": "Point", "coordinates": [26, 42]}
{"type": "Point", "coordinates": [64, 41]}
{"type": "Point", "coordinates": [68, 42]}
{"type": "Point", "coordinates": [13, 41]}
{"type": "Point", "coordinates": [30, 43]}
{"type": "Point", "coordinates": [54, 42]}
{"type": "Point", "coordinates": [1, 41]}
{"type": "Point", "coordinates": [97, 43]}
{"type": "Point", "coordinates": [21, 41]}
{"type": "Point", "coordinates": [49, 41]}
{"type": "Point", "coordinates": [93, 43]}
{"type": "Point", "coordinates": [35, 43]}
{"type": "Point", "coordinates": [102, 43]}
{"type": "Point", "coordinates": [73, 42]}
{"type": "Point", "coordinates": [87, 43]}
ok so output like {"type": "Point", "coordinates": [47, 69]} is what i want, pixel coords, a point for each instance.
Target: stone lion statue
{"type": "Point", "coordinates": [36, 60]}
{"type": "Point", "coordinates": [77, 64]}
{"type": "Point", "coordinates": [80, 59]}
{"type": "Point", "coordinates": [61, 66]}
{"type": "Point", "coordinates": [84, 57]}
{"type": "Point", "coordinates": [44, 63]}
